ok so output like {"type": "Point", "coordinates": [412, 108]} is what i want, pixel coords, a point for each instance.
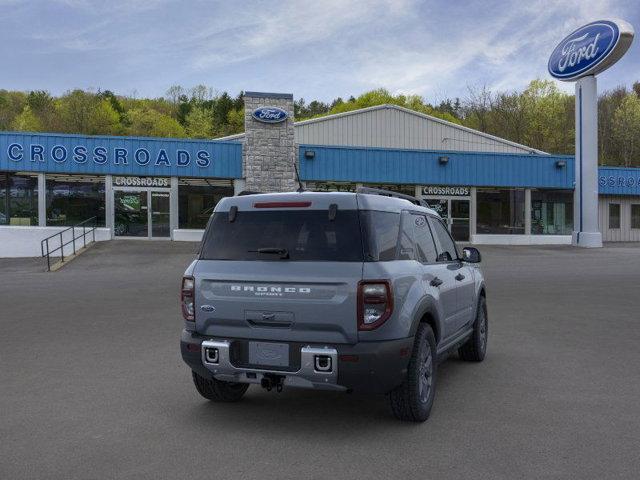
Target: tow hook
{"type": "Point", "coordinates": [270, 381]}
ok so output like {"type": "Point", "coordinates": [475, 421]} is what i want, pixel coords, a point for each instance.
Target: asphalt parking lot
{"type": "Point", "coordinates": [92, 385]}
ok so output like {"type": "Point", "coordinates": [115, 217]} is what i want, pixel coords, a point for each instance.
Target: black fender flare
{"type": "Point", "coordinates": [427, 306]}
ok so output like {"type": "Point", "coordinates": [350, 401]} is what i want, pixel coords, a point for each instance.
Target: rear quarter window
{"type": "Point", "coordinates": [380, 231]}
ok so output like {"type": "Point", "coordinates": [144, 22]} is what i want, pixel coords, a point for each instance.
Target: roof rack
{"type": "Point", "coordinates": [248, 192]}
{"type": "Point", "coordinates": [389, 193]}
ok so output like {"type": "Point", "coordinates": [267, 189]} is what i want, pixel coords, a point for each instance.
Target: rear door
{"type": "Point", "coordinates": [280, 274]}
{"type": "Point", "coordinates": [438, 277]}
{"type": "Point", "coordinates": [463, 275]}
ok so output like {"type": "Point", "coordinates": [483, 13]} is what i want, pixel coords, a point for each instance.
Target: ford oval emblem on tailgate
{"type": "Point", "coordinates": [207, 308]}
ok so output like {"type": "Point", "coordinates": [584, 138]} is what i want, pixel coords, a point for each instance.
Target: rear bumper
{"type": "Point", "coordinates": [369, 367]}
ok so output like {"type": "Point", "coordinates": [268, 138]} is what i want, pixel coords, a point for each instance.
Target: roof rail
{"type": "Point", "coordinates": [389, 193]}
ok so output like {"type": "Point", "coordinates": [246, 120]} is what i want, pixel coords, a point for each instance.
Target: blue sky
{"type": "Point", "coordinates": [313, 49]}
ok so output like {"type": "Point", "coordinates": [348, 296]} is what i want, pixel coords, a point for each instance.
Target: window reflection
{"type": "Point", "coordinates": [74, 199]}
{"type": "Point", "coordinates": [18, 199]}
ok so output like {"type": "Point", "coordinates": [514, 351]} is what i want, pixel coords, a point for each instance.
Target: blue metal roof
{"type": "Point", "coordinates": [423, 167]}
{"type": "Point", "coordinates": [619, 181]}
{"type": "Point", "coordinates": [58, 153]}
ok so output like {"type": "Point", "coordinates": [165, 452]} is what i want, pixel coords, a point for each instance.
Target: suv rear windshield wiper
{"type": "Point", "coordinates": [283, 252]}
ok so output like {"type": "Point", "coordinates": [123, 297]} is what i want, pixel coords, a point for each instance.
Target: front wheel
{"type": "Point", "coordinates": [218, 391]}
{"type": "Point", "coordinates": [412, 401]}
{"type": "Point", "coordinates": [474, 349]}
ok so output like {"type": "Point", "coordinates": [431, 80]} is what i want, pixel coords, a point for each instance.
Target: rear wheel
{"type": "Point", "coordinates": [475, 348]}
{"type": "Point", "coordinates": [218, 391]}
{"type": "Point", "coordinates": [412, 401]}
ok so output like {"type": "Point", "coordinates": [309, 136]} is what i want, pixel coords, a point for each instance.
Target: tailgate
{"type": "Point", "coordinates": [312, 302]}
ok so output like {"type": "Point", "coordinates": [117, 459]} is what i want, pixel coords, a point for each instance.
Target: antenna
{"type": "Point", "coordinates": [300, 187]}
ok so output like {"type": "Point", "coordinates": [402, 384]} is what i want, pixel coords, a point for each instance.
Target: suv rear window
{"type": "Point", "coordinates": [305, 235]}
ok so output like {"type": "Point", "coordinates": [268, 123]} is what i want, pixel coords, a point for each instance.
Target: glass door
{"type": "Point", "coordinates": [459, 220]}
{"type": "Point", "coordinates": [455, 213]}
{"type": "Point", "coordinates": [439, 205]}
{"type": "Point", "coordinates": [160, 226]}
{"type": "Point", "coordinates": [131, 214]}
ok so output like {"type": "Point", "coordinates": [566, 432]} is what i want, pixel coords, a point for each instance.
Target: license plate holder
{"type": "Point", "coordinates": [269, 354]}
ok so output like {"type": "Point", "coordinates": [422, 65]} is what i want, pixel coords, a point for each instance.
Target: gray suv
{"type": "Point", "coordinates": [361, 291]}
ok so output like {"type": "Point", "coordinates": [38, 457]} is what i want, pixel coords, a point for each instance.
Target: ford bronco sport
{"type": "Point", "coordinates": [357, 291]}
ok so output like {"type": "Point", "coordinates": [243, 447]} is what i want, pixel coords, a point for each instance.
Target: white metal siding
{"type": "Point", "coordinates": [625, 233]}
{"type": "Point", "coordinates": [394, 128]}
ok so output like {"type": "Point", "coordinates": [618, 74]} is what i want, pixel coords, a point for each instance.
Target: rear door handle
{"type": "Point", "coordinates": [460, 277]}
{"type": "Point", "coordinates": [436, 282]}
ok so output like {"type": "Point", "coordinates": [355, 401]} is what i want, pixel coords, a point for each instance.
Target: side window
{"type": "Point", "coordinates": [446, 248]}
{"type": "Point", "coordinates": [426, 249]}
{"type": "Point", "coordinates": [614, 215]}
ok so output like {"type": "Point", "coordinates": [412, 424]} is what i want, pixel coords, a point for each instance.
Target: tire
{"type": "Point", "coordinates": [412, 401]}
{"type": "Point", "coordinates": [218, 391]}
{"type": "Point", "coordinates": [474, 349]}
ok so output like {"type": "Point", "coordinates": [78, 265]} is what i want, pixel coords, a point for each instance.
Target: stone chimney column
{"type": "Point", "coordinates": [269, 150]}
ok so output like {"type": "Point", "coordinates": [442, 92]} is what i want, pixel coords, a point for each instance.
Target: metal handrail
{"type": "Point", "coordinates": [86, 230]}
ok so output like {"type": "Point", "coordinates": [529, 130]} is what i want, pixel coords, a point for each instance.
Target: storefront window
{"type": "Point", "coordinates": [73, 199]}
{"type": "Point", "coordinates": [551, 212]}
{"type": "Point", "coordinates": [614, 215]}
{"type": "Point", "coordinates": [18, 199]}
{"type": "Point", "coordinates": [635, 215]}
{"type": "Point", "coordinates": [197, 199]}
{"type": "Point", "coordinates": [500, 211]}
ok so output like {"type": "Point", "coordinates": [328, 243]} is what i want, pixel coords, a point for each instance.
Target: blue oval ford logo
{"type": "Point", "coordinates": [270, 114]}
{"type": "Point", "coordinates": [579, 53]}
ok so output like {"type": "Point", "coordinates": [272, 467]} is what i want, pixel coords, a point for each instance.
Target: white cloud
{"type": "Point", "coordinates": [288, 25]}
{"type": "Point", "coordinates": [319, 48]}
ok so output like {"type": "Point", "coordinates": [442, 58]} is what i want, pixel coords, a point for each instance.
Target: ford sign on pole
{"type": "Point", "coordinates": [587, 51]}
{"type": "Point", "coordinates": [590, 49]}
{"type": "Point", "coordinates": [270, 114]}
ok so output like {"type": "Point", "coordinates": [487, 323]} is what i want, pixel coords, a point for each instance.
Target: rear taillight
{"type": "Point", "coordinates": [187, 298]}
{"type": "Point", "coordinates": [375, 303]}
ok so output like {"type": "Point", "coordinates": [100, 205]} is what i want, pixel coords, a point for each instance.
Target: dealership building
{"type": "Point", "coordinates": [489, 190]}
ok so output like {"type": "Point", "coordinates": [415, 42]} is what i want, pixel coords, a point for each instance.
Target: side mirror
{"type": "Point", "coordinates": [471, 255]}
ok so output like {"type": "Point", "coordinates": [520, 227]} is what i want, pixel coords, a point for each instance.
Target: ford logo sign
{"type": "Point", "coordinates": [270, 114]}
{"type": "Point", "coordinates": [590, 49]}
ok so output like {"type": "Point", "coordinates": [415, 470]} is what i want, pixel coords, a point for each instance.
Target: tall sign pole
{"type": "Point", "coordinates": [578, 58]}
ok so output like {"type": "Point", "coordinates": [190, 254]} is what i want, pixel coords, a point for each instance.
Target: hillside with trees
{"type": "Point", "coordinates": [540, 116]}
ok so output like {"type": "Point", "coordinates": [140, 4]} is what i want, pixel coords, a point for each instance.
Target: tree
{"type": "Point", "coordinates": [198, 123]}
{"type": "Point", "coordinates": [174, 93]}
{"type": "Point", "coordinates": [478, 107]}
{"type": "Point", "coordinates": [609, 151]}
{"type": "Point", "coordinates": [104, 120]}
{"type": "Point", "coordinates": [382, 96]}
{"type": "Point", "coordinates": [201, 93]}
{"type": "Point", "coordinates": [43, 105]}
{"type": "Point", "coordinates": [220, 111]}
{"type": "Point", "coordinates": [147, 122]}
{"type": "Point", "coordinates": [625, 128]}
{"type": "Point", "coordinates": [546, 106]}
{"type": "Point", "coordinates": [75, 109]}
{"type": "Point", "coordinates": [11, 105]}
{"type": "Point", "coordinates": [27, 121]}
{"type": "Point", "coordinates": [235, 121]}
